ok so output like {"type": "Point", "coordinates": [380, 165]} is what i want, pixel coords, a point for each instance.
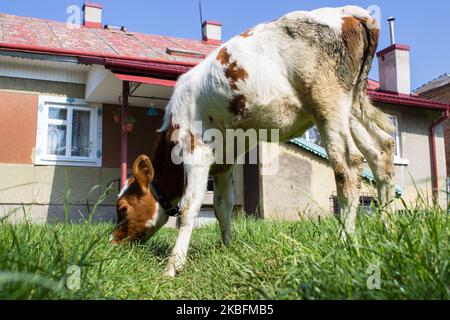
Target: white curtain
{"type": "Point", "coordinates": [81, 133]}
{"type": "Point", "coordinates": [56, 140]}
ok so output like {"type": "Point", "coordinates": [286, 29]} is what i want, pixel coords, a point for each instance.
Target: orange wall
{"type": "Point", "coordinates": [18, 121]}
{"type": "Point", "coordinates": [142, 140]}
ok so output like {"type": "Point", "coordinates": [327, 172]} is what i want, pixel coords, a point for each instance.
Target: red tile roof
{"type": "Point", "coordinates": [373, 85]}
{"type": "Point", "coordinates": [33, 32]}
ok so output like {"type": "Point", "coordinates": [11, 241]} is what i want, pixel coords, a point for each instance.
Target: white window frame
{"type": "Point", "coordinates": [95, 131]}
{"type": "Point", "coordinates": [398, 159]}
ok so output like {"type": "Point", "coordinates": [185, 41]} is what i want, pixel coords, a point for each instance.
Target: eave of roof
{"type": "Point", "coordinates": [406, 100]}
{"type": "Point", "coordinates": [321, 152]}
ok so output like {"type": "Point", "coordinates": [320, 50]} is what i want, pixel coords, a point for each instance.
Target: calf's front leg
{"type": "Point", "coordinates": [196, 169]}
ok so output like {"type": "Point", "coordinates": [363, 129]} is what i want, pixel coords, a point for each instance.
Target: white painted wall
{"type": "Point", "coordinates": [43, 70]}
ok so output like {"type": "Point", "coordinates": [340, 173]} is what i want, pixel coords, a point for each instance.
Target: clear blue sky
{"type": "Point", "coordinates": [424, 25]}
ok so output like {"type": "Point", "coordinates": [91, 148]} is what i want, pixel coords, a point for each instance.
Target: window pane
{"type": "Point", "coordinates": [210, 186]}
{"type": "Point", "coordinates": [313, 135]}
{"type": "Point", "coordinates": [80, 133]}
{"type": "Point", "coordinates": [57, 113]}
{"type": "Point", "coordinates": [56, 140]}
{"type": "Point", "coordinates": [395, 135]}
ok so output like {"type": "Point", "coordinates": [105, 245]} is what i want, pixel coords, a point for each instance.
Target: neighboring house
{"type": "Point", "coordinates": [439, 90]}
{"type": "Point", "coordinates": [62, 88]}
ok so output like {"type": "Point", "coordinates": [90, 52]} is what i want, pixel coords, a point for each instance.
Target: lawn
{"type": "Point", "coordinates": [267, 260]}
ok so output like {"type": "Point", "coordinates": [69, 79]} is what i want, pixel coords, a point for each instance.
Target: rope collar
{"type": "Point", "coordinates": [172, 211]}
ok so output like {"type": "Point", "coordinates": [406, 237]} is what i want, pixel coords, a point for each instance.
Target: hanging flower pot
{"type": "Point", "coordinates": [117, 116]}
{"type": "Point", "coordinates": [128, 127]}
{"type": "Point", "coordinates": [128, 124]}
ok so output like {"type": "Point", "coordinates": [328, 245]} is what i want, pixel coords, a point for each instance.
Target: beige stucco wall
{"type": "Point", "coordinates": [305, 181]}
{"type": "Point", "coordinates": [46, 189]}
{"type": "Point", "coordinates": [288, 191]}
{"type": "Point", "coordinates": [303, 185]}
{"type": "Point", "coordinates": [415, 141]}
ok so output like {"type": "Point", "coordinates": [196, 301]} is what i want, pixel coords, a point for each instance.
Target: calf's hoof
{"type": "Point", "coordinates": [170, 272]}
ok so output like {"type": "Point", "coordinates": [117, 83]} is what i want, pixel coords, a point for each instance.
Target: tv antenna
{"type": "Point", "coordinates": [201, 13]}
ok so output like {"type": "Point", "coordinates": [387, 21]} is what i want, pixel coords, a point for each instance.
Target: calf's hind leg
{"type": "Point", "coordinates": [346, 161]}
{"type": "Point", "coordinates": [332, 119]}
{"type": "Point", "coordinates": [377, 146]}
{"type": "Point", "coordinates": [223, 202]}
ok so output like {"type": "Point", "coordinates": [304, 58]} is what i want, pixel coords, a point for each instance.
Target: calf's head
{"type": "Point", "coordinates": [136, 206]}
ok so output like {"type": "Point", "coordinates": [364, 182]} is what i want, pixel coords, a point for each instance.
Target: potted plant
{"type": "Point", "coordinates": [128, 124]}
{"type": "Point", "coordinates": [117, 116]}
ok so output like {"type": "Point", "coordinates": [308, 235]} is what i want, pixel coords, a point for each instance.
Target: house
{"type": "Point", "coordinates": [439, 90]}
{"type": "Point", "coordinates": [65, 91]}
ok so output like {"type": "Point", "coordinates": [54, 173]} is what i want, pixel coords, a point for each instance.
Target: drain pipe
{"type": "Point", "coordinates": [124, 136]}
{"type": "Point", "coordinates": [434, 165]}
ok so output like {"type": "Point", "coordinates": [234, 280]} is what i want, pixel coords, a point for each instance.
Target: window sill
{"type": "Point", "coordinates": [94, 163]}
{"type": "Point", "coordinates": [401, 162]}
{"type": "Point", "coordinates": [398, 161]}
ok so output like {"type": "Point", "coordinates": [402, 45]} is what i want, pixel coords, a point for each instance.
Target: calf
{"type": "Point", "coordinates": [304, 69]}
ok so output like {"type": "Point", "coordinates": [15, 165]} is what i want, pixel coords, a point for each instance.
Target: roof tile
{"type": "Point", "coordinates": [56, 35]}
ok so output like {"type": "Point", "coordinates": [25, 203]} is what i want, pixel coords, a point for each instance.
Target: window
{"type": "Point", "coordinates": [210, 186]}
{"type": "Point", "coordinates": [366, 204]}
{"type": "Point", "coordinates": [395, 135]}
{"type": "Point", "coordinates": [398, 159]}
{"type": "Point", "coordinates": [69, 132]}
{"type": "Point", "coordinates": [313, 135]}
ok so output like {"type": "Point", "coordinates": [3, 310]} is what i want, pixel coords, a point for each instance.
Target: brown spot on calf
{"type": "Point", "coordinates": [234, 73]}
{"type": "Point", "coordinates": [237, 105]}
{"type": "Point", "coordinates": [223, 56]}
{"type": "Point", "coordinates": [352, 33]}
{"type": "Point", "coordinates": [246, 33]}
{"type": "Point", "coordinates": [191, 142]}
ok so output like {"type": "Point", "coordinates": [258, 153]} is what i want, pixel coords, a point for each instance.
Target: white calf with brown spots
{"type": "Point", "coordinates": [303, 69]}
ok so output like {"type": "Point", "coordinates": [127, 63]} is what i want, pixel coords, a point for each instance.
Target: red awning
{"type": "Point", "coordinates": [146, 80]}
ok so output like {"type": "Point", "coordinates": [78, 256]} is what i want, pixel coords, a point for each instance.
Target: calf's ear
{"type": "Point", "coordinates": [143, 171]}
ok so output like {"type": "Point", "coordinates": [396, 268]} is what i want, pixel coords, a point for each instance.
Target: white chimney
{"type": "Point", "coordinates": [394, 65]}
{"type": "Point", "coordinates": [92, 15]}
{"type": "Point", "coordinates": [212, 32]}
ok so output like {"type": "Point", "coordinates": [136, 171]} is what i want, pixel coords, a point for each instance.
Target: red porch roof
{"type": "Point", "coordinates": [146, 80]}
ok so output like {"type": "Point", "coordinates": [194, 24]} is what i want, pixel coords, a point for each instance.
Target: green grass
{"type": "Point", "coordinates": [267, 260]}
